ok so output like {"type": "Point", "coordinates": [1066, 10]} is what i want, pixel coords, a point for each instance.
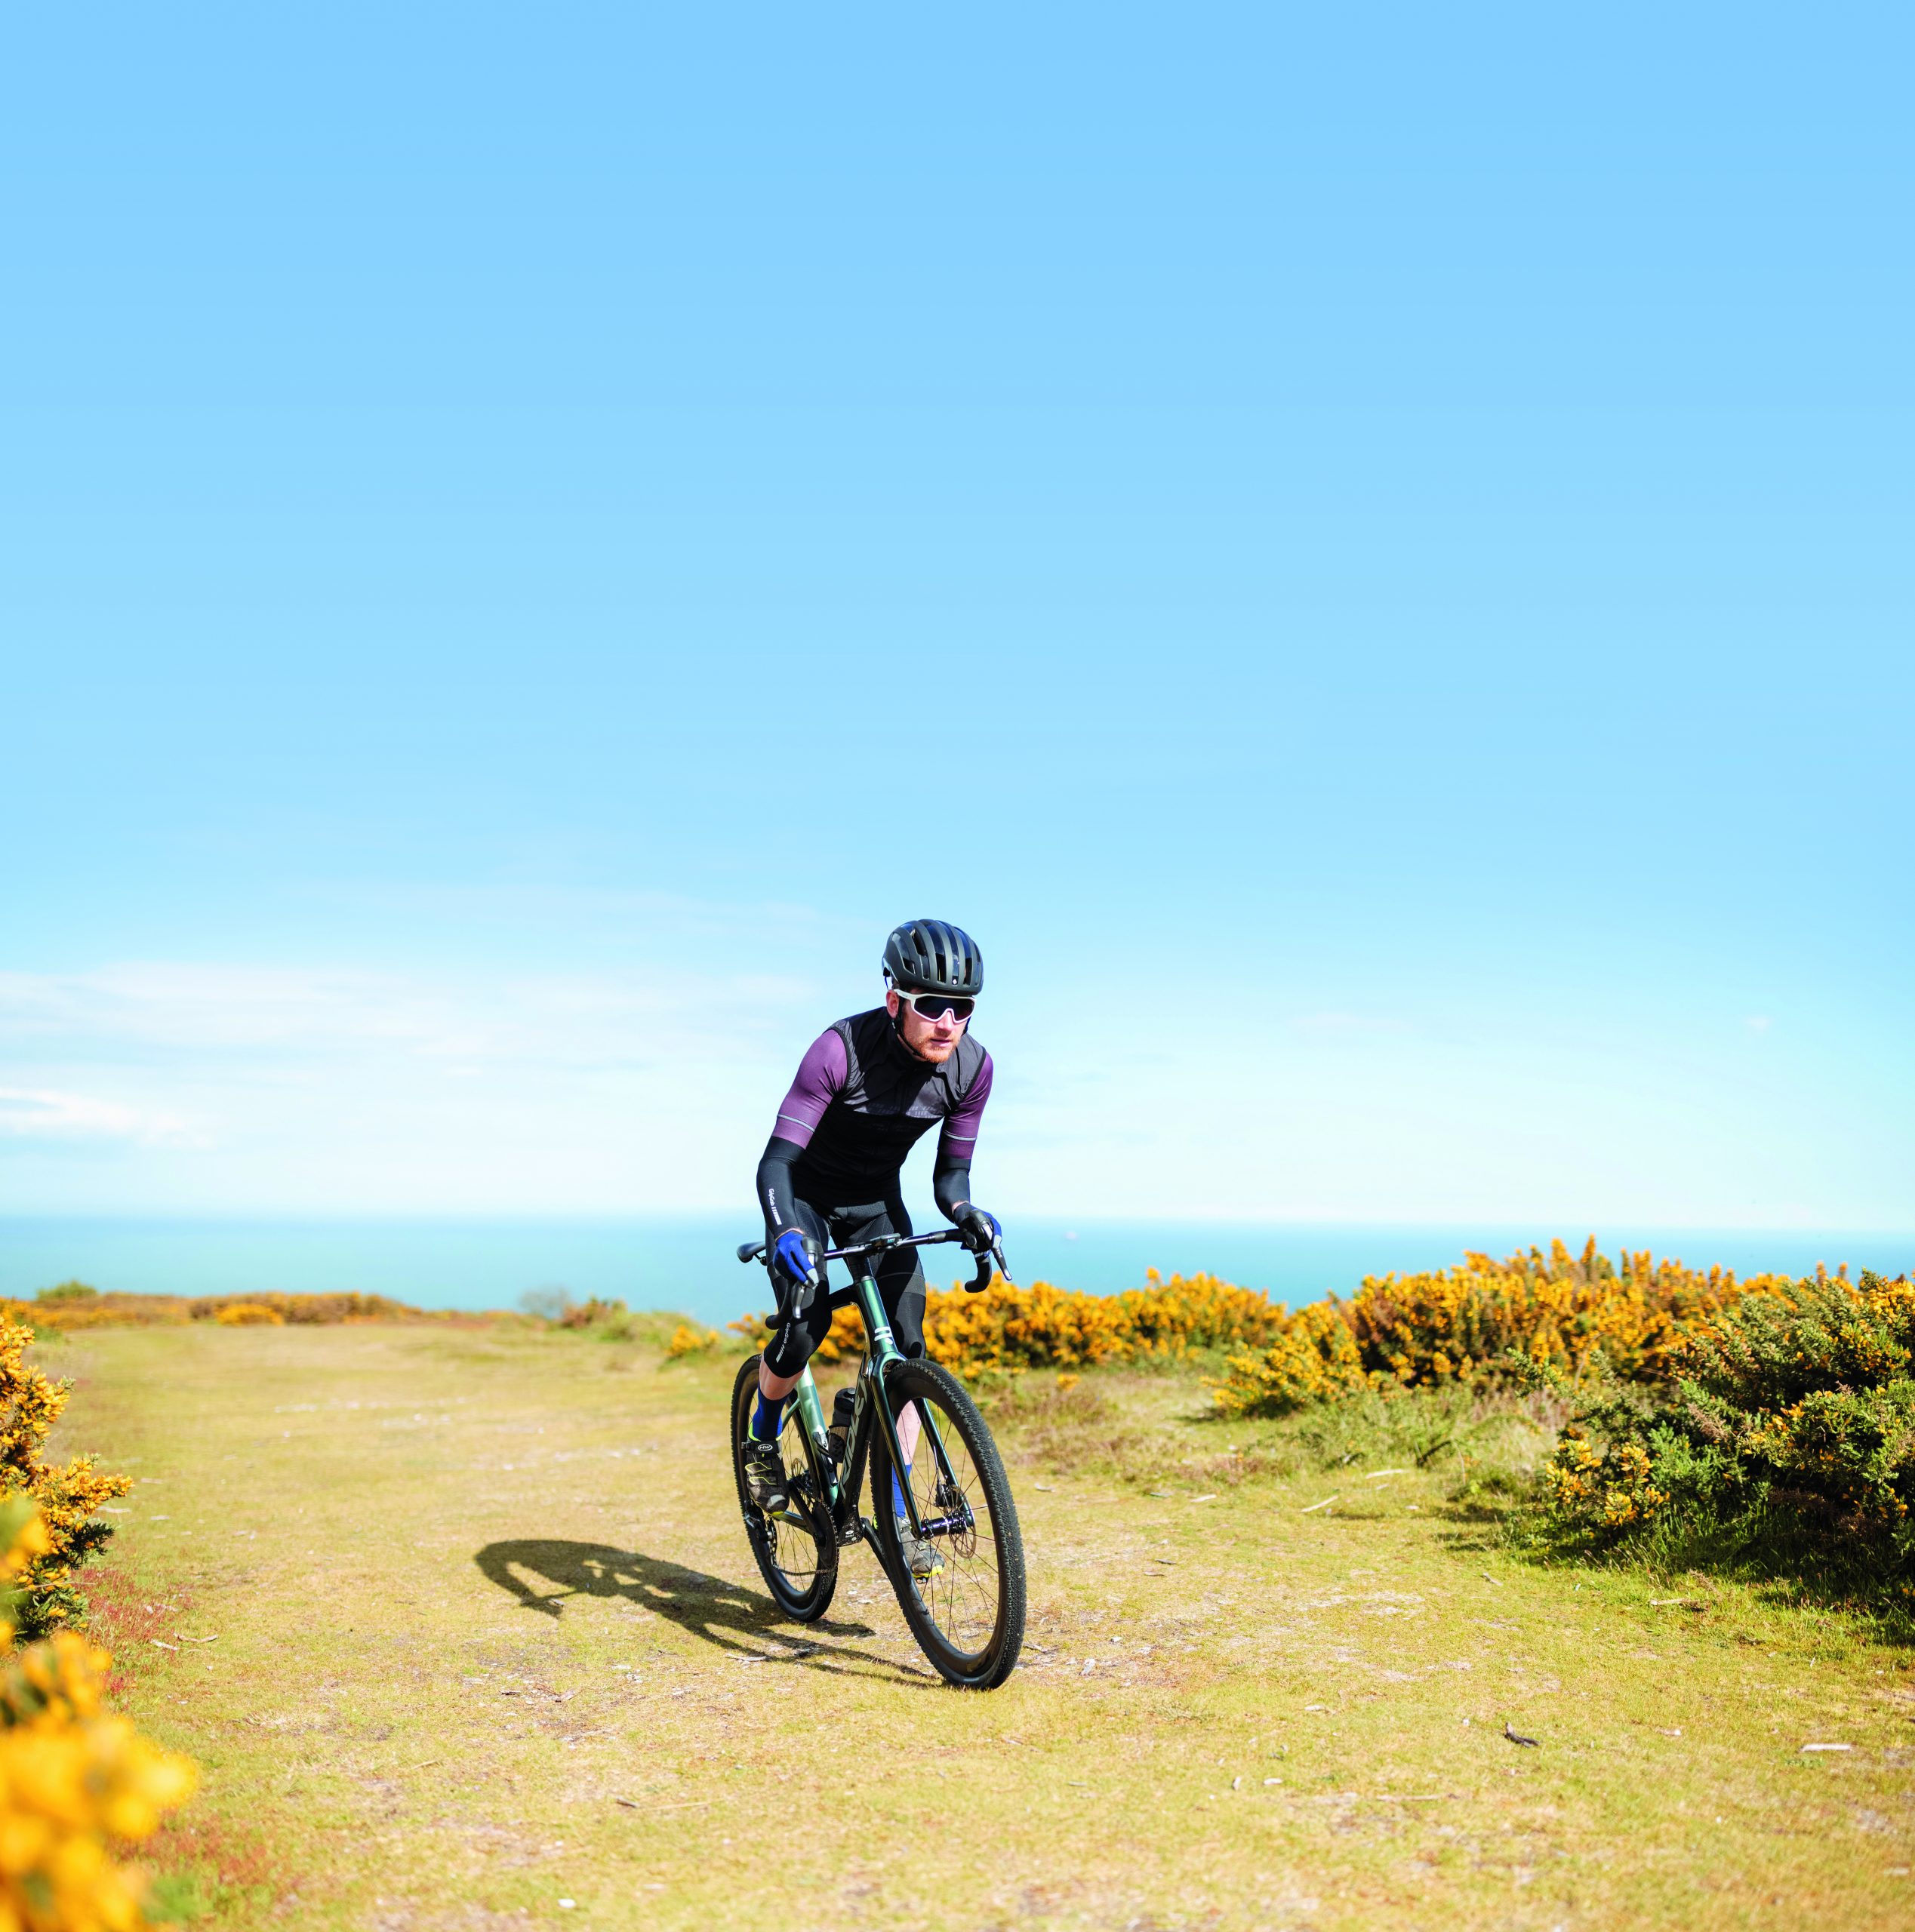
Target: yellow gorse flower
{"type": "Point", "coordinates": [68, 1498]}
{"type": "Point", "coordinates": [1459, 1324]}
{"type": "Point", "coordinates": [76, 1783]}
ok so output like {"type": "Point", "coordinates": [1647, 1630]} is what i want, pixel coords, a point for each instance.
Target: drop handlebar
{"type": "Point", "coordinates": [990, 1262]}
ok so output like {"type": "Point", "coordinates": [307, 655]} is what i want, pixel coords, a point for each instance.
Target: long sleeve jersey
{"type": "Point", "coordinates": [862, 1100]}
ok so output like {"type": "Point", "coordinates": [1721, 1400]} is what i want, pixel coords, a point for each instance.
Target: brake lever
{"type": "Point", "coordinates": [804, 1293]}
{"type": "Point", "coordinates": [991, 1260]}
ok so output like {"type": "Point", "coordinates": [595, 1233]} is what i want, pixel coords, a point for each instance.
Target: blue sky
{"type": "Point", "coordinates": [1368, 559]}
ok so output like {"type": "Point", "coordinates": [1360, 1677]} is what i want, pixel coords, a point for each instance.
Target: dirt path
{"type": "Point", "coordinates": [480, 1635]}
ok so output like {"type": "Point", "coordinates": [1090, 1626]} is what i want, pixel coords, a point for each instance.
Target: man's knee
{"type": "Point", "coordinates": [790, 1349]}
{"type": "Point", "coordinates": [796, 1342]}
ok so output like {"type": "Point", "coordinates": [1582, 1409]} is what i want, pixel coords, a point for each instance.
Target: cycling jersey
{"type": "Point", "coordinates": [862, 1101]}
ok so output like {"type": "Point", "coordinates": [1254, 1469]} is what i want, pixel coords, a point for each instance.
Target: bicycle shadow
{"type": "Point", "coordinates": [725, 1614]}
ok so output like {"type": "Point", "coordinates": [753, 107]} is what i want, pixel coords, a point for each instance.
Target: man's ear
{"type": "Point", "coordinates": [891, 1000]}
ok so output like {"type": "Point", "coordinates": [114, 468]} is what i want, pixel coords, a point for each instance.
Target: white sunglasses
{"type": "Point", "coordinates": [935, 1006]}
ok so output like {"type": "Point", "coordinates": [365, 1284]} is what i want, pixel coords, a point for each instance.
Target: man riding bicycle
{"type": "Point", "coordinates": [867, 1089]}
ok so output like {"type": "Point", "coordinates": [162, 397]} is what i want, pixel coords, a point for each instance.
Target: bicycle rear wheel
{"type": "Point", "coordinates": [968, 1618]}
{"type": "Point", "coordinates": [797, 1550]}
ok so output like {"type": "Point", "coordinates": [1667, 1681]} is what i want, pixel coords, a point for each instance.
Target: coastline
{"type": "Point", "coordinates": [688, 1265]}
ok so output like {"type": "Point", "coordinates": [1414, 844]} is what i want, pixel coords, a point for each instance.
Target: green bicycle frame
{"type": "Point", "coordinates": [882, 1353]}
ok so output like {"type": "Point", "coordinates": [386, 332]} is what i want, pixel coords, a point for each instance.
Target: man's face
{"type": "Point", "coordinates": [933, 1040]}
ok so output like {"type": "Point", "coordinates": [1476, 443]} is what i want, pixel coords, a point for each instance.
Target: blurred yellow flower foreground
{"type": "Point", "coordinates": [75, 1781]}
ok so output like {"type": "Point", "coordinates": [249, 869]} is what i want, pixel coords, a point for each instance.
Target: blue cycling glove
{"type": "Point", "coordinates": [791, 1253]}
{"type": "Point", "coordinates": [980, 1231]}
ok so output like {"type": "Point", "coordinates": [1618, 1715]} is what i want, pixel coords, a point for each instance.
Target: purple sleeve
{"type": "Point", "coordinates": [960, 1133]}
{"type": "Point", "coordinates": [821, 1074]}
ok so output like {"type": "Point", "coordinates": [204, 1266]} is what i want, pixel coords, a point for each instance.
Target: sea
{"type": "Point", "coordinates": [689, 1265]}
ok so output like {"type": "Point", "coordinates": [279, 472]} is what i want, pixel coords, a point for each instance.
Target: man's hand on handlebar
{"type": "Point", "coordinates": [983, 1237]}
{"type": "Point", "coordinates": [980, 1231]}
{"type": "Point", "coordinates": [795, 1257]}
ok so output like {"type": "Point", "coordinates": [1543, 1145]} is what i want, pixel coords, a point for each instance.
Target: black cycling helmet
{"type": "Point", "coordinates": [928, 956]}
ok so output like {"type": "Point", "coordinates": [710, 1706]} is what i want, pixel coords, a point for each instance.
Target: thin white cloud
{"type": "Point", "coordinates": [251, 1012]}
{"type": "Point", "coordinates": [331, 1088]}
{"type": "Point", "coordinates": [43, 1113]}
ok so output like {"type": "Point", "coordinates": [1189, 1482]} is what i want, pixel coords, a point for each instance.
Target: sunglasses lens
{"type": "Point", "coordinates": [934, 1006]}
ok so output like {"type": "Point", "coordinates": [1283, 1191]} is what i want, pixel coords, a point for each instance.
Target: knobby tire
{"type": "Point", "coordinates": [969, 1620]}
{"type": "Point", "coordinates": [799, 1567]}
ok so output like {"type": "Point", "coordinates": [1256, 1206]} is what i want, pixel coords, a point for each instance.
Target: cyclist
{"type": "Point", "coordinates": [867, 1089]}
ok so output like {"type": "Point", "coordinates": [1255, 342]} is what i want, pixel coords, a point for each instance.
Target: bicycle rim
{"type": "Point", "coordinates": [798, 1559]}
{"type": "Point", "coordinates": [968, 1617]}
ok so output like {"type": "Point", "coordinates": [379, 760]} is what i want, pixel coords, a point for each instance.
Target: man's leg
{"type": "Point", "coordinates": [774, 1388]}
{"type": "Point", "coordinates": [901, 1289]}
{"type": "Point", "coordinates": [783, 1362]}
{"type": "Point", "coordinates": [779, 1369]}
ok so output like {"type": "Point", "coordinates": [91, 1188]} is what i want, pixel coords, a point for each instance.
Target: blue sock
{"type": "Point", "coordinates": [896, 1496]}
{"type": "Point", "coordinates": [764, 1417]}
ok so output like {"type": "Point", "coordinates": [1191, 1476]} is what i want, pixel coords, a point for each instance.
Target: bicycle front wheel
{"type": "Point", "coordinates": [968, 1614]}
{"type": "Point", "coordinates": [797, 1549]}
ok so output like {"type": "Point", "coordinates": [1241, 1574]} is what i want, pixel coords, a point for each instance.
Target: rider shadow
{"type": "Point", "coordinates": [722, 1614]}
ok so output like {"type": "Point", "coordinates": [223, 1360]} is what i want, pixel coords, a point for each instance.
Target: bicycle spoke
{"type": "Point", "coordinates": [795, 1550]}
{"type": "Point", "coordinates": [962, 1598]}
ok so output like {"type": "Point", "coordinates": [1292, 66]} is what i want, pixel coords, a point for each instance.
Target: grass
{"type": "Point", "coordinates": [462, 1625]}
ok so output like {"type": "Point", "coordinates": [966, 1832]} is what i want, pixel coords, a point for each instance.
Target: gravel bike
{"type": "Point", "coordinates": [968, 1617]}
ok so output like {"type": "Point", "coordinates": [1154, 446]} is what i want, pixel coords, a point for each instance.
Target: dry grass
{"type": "Point", "coordinates": [486, 1636]}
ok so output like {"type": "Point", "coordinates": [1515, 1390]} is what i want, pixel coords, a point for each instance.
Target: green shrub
{"type": "Point", "coordinates": [64, 1292]}
{"type": "Point", "coordinates": [1788, 1443]}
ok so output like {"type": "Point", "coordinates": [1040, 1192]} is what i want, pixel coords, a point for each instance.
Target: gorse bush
{"type": "Point", "coordinates": [249, 1314]}
{"type": "Point", "coordinates": [1471, 1323]}
{"type": "Point", "coordinates": [1313, 1357]}
{"type": "Point", "coordinates": [73, 1305]}
{"type": "Point", "coordinates": [1486, 1324]}
{"type": "Point", "coordinates": [1011, 1330]}
{"type": "Point", "coordinates": [76, 1783]}
{"type": "Point", "coordinates": [67, 1496]}
{"type": "Point", "coordinates": [1788, 1437]}
{"type": "Point", "coordinates": [592, 1314]}
{"type": "Point", "coordinates": [690, 1338]}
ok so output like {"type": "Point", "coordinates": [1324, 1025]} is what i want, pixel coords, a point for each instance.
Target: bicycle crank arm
{"type": "Point", "coordinates": [791, 1516]}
